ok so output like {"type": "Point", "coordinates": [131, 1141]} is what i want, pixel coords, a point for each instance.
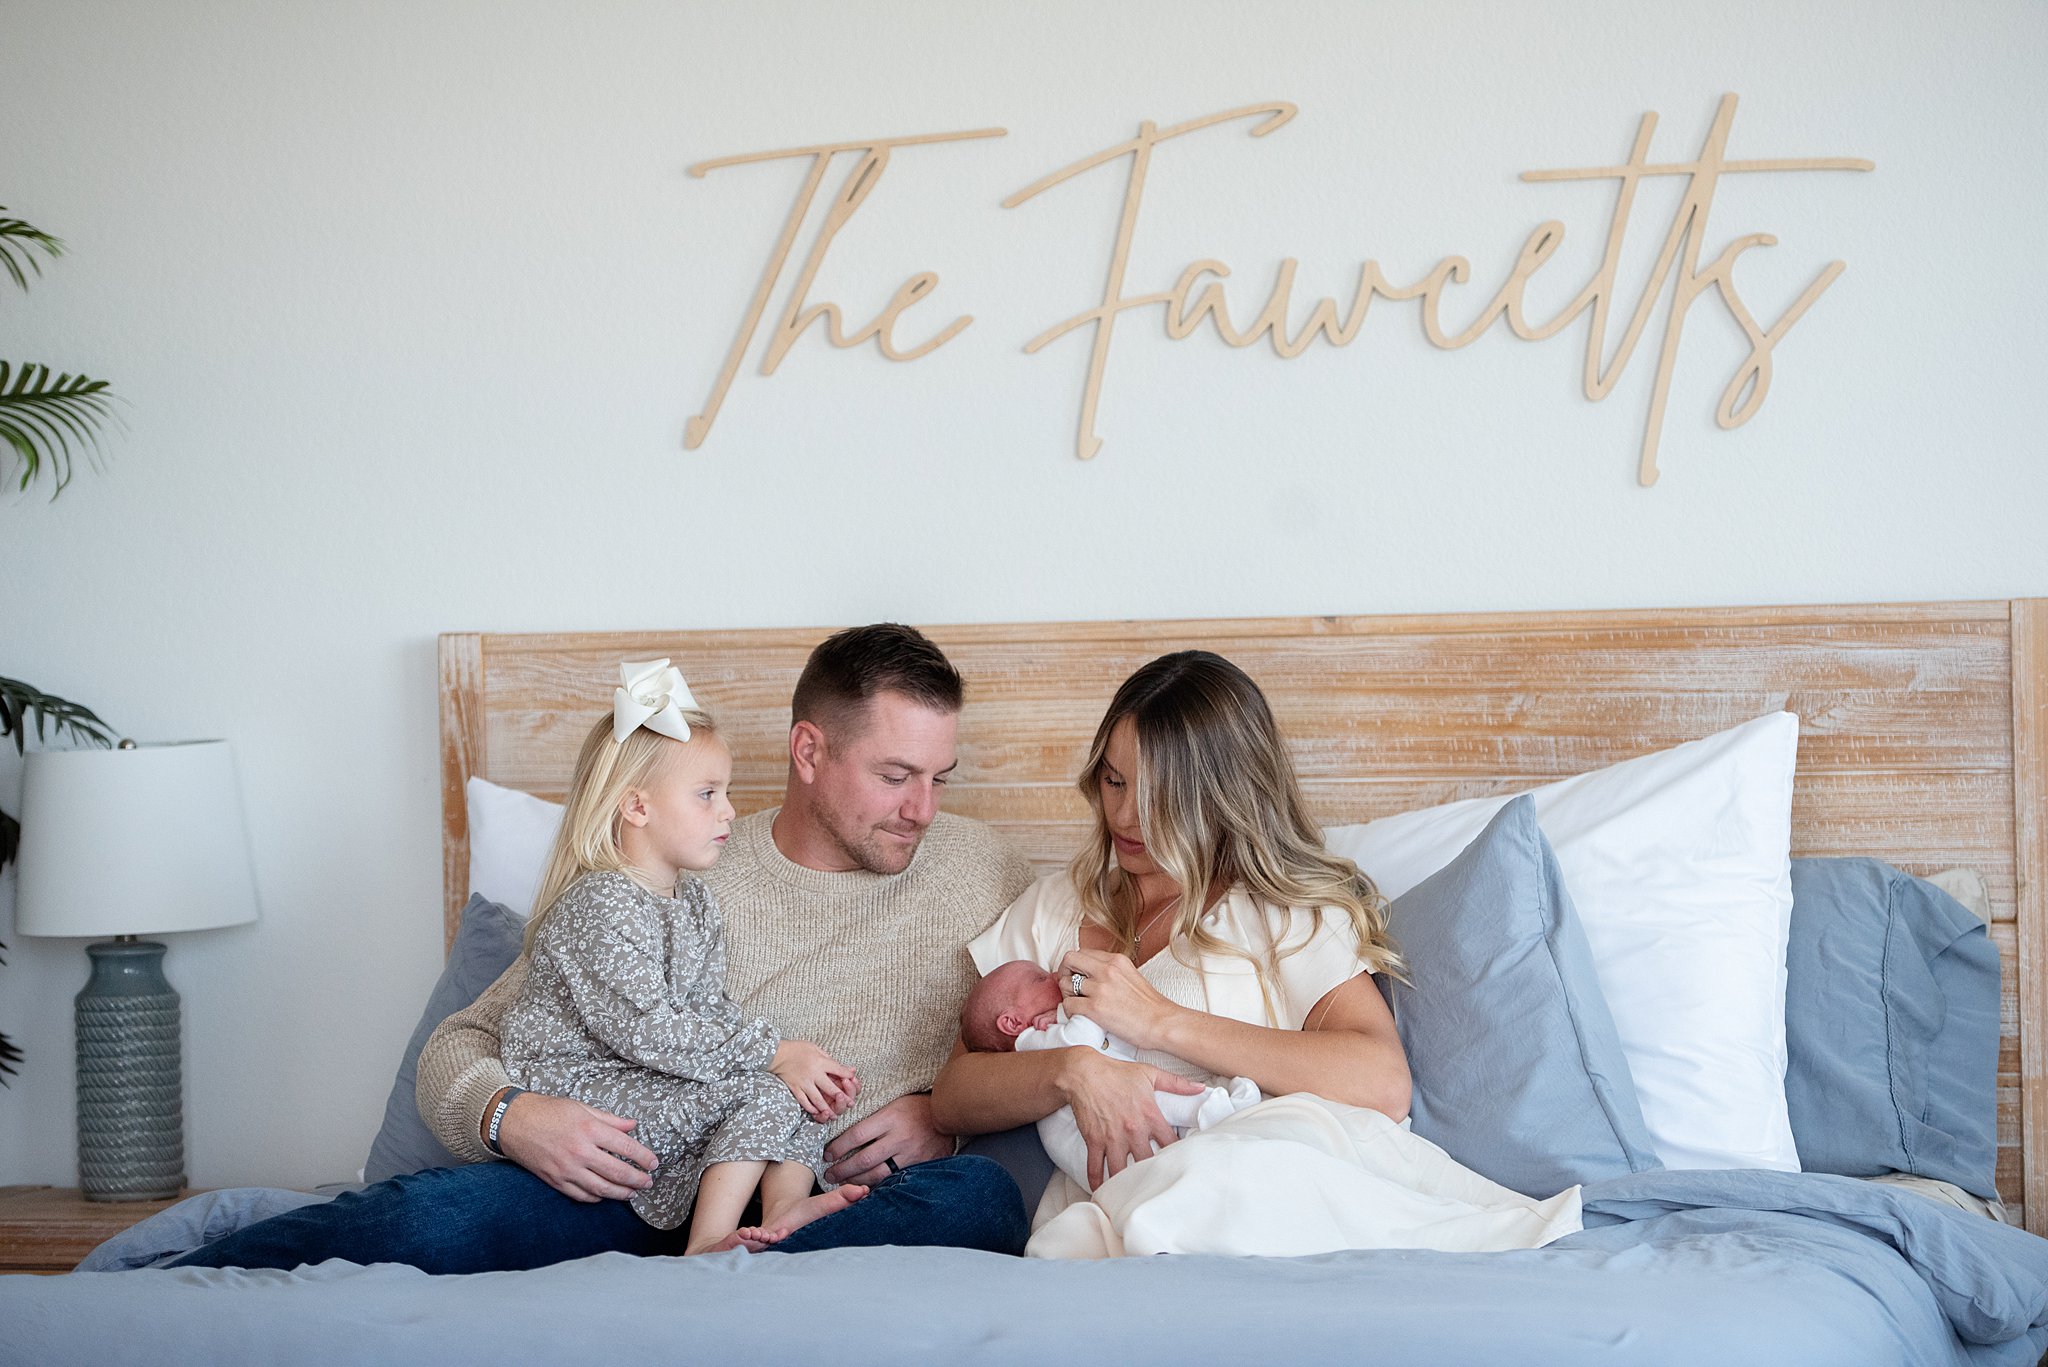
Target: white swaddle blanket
{"type": "Point", "coordinates": [1298, 1175]}
{"type": "Point", "coordinates": [1186, 1113]}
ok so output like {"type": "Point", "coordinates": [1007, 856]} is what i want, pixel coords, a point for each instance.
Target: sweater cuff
{"type": "Point", "coordinates": [463, 1108]}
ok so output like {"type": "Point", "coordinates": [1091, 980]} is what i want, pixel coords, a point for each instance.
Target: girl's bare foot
{"type": "Point", "coordinates": [751, 1239]}
{"type": "Point", "coordinates": [792, 1218]}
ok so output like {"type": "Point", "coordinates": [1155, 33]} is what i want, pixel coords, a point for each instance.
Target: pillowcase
{"type": "Point", "coordinates": [1679, 865]}
{"type": "Point", "coordinates": [1518, 1073]}
{"type": "Point", "coordinates": [510, 834]}
{"type": "Point", "coordinates": [487, 942]}
{"type": "Point", "coordinates": [1891, 1018]}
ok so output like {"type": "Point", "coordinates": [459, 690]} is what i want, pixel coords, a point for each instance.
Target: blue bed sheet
{"type": "Point", "coordinates": [1673, 1269]}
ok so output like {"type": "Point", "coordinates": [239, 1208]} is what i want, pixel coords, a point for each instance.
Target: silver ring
{"type": "Point", "coordinates": [1074, 980]}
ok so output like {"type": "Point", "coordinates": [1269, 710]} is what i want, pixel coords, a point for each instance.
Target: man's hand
{"type": "Point", "coordinates": [580, 1151]}
{"type": "Point", "coordinates": [901, 1130]}
{"type": "Point", "coordinates": [1115, 1110]}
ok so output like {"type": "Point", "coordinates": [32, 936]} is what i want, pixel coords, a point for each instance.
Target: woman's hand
{"type": "Point", "coordinates": [1114, 1108]}
{"type": "Point", "coordinates": [1116, 996]}
{"type": "Point", "coordinates": [821, 1084]}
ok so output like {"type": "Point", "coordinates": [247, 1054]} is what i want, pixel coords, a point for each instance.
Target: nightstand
{"type": "Point", "coordinates": [48, 1229]}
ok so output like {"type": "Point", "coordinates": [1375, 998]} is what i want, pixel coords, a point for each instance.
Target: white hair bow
{"type": "Point", "coordinates": [653, 695]}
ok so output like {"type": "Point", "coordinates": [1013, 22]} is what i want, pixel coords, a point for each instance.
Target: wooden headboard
{"type": "Point", "coordinates": [1923, 739]}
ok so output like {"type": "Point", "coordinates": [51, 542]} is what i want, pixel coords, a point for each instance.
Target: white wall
{"type": "Point", "coordinates": [408, 303]}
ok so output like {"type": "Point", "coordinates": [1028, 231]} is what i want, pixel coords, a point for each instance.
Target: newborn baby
{"type": "Point", "coordinates": [1019, 1006]}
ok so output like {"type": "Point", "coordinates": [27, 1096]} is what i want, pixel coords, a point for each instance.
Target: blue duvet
{"type": "Point", "coordinates": [1748, 1269]}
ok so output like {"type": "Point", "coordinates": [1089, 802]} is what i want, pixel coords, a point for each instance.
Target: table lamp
{"type": "Point", "coordinates": [143, 839]}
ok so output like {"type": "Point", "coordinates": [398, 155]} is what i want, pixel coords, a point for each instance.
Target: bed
{"type": "Point", "coordinates": [1923, 741]}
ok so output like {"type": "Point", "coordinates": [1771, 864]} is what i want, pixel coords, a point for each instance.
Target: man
{"type": "Point", "coordinates": [848, 910]}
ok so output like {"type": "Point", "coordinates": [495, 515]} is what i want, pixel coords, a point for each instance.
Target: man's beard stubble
{"type": "Point", "coordinates": [870, 852]}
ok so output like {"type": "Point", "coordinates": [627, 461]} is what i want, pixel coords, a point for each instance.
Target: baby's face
{"type": "Point", "coordinates": [1027, 993]}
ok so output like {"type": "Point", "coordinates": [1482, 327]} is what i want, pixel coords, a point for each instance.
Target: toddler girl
{"type": "Point", "coordinates": [624, 1006]}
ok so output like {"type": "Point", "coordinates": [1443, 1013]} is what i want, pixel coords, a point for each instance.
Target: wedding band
{"type": "Point", "coordinates": [890, 1164]}
{"type": "Point", "coordinates": [1074, 980]}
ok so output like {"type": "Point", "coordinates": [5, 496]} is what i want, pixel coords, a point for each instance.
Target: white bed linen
{"type": "Point", "coordinates": [1298, 1175]}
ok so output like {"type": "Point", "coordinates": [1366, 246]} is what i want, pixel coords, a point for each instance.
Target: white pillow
{"type": "Point", "coordinates": [510, 833]}
{"type": "Point", "coordinates": [1679, 864]}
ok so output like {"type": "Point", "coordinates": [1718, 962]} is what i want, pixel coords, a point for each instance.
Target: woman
{"type": "Point", "coordinates": [1264, 970]}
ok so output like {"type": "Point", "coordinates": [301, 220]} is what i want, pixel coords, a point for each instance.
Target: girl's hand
{"type": "Point", "coordinates": [1116, 996]}
{"type": "Point", "coordinates": [821, 1084]}
{"type": "Point", "coordinates": [1114, 1108]}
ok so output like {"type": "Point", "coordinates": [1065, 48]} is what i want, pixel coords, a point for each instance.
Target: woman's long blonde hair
{"type": "Point", "coordinates": [606, 770]}
{"type": "Point", "coordinates": [1218, 805]}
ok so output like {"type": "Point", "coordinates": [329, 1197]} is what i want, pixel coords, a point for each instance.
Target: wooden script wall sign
{"type": "Point", "coordinates": [1197, 297]}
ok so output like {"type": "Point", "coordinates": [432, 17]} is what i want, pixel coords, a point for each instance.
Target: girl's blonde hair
{"type": "Point", "coordinates": [1218, 805]}
{"type": "Point", "coordinates": [606, 770]}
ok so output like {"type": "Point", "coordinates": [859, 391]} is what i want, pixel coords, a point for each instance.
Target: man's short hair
{"type": "Point", "coordinates": [850, 667]}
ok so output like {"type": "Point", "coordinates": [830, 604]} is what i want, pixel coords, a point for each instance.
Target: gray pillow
{"type": "Point", "coordinates": [485, 946]}
{"type": "Point", "coordinates": [1022, 1155]}
{"type": "Point", "coordinates": [1891, 1027]}
{"type": "Point", "coordinates": [1518, 1072]}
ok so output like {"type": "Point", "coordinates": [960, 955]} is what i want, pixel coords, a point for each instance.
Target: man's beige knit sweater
{"type": "Point", "coordinates": [871, 968]}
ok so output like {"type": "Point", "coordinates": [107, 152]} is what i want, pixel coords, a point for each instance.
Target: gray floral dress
{"type": "Point", "coordinates": [624, 1009]}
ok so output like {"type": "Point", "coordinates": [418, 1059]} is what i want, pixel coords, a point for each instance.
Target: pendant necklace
{"type": "Point", "coordinates": [1138, 941]}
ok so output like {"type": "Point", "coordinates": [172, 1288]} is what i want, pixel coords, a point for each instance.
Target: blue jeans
{"type": "Point", "coordinates": [498, 1217]}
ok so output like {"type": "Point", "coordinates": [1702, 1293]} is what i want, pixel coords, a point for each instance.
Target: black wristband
{"type": "Point", "coordinates": [498, 1118]}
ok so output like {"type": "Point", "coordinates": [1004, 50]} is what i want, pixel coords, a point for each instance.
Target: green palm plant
{"type": "Point", "coordinates": [20, 705]}
{"type": "Point", "coordinates": [45, 416]}
{"type": "Point", "coordinates": [44, 419]}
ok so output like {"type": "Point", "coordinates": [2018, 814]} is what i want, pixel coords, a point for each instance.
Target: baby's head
{"type": "Point", "coordinates": [1014, 997]}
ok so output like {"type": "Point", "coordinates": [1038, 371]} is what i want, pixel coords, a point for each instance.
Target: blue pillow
{"type": "Point", "coordinates": [1891, 1027]}
{"type": "Point", "coordinates": [1518, 1072]}
{"type": "Point", "coordinates": [486, 943]}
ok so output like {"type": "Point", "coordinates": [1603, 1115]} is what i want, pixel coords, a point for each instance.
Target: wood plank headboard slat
{"type": "Point", "coordinates": [2030, 861]}
{"type": "Point", "coordinates": [462, 754]}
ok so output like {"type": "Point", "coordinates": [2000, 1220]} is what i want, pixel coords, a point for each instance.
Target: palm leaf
{"type": "Point", "coordinates": [39, 419]}
{"type": "Point", "coordinates": [16, 237]}
{"type": "Point", "coordinates": [18, 701]}
{"type": "Point", "coordinates": [42, 415]}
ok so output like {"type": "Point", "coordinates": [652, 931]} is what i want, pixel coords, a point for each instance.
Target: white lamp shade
{"type": "Point", "coordinates": [133, 842]}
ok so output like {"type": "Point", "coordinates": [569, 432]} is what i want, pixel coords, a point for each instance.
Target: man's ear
{"type": "Point", "coordinates": [806, 748]}
{"type": "Point", "coordinates": [633, 808]}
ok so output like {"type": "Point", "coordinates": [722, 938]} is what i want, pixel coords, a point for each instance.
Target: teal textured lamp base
{"type": "Point", "coordinates": [131, 1104]}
